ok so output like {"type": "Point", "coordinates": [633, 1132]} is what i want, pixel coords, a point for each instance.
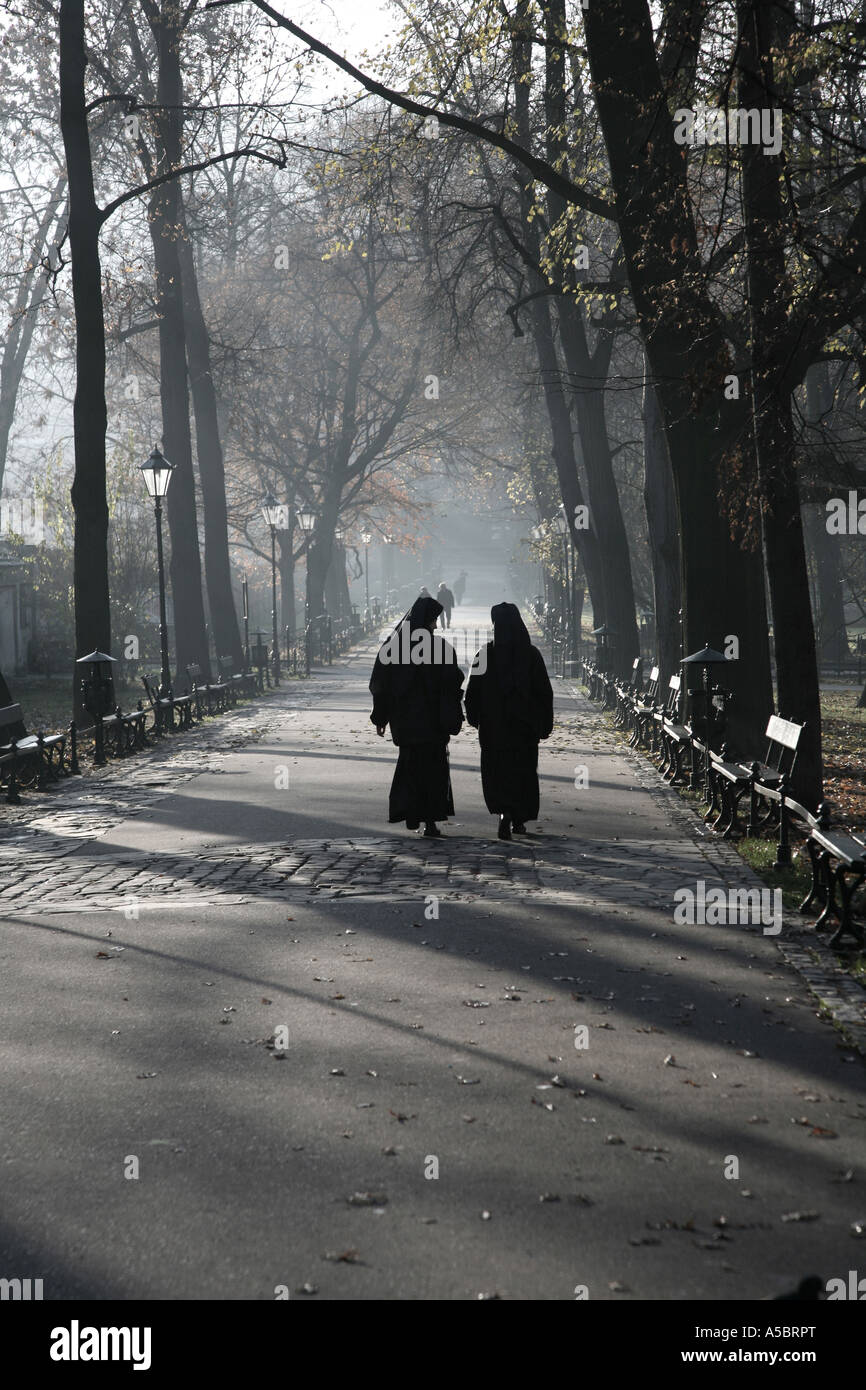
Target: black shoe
{"type": "Point", "coordinates": [432, 831]}
{"type": "Point", "coordinates": [504, 828]}
{"type": "Point", "coordinates": [412, 824]}
{"type": "Point", "coordinates": [519, 828]}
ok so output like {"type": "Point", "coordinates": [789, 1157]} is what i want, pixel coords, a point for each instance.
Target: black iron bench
{"type": "Point", "coordinates": [730, 780]}
{"type": "Point", "coordinates": [626, 694]}
{"type": "Point", "coordinates": [643, 709]}
{"type": "Point", "coordinates": [838, 861]}
{"type": "Point", "coordinates": [124, 733]}
{"type": "Point", "coordinates": [28, 759]}
{"type": "Point", "coordinates": [165, 706]}
{"type": "Point", "coordinates": [673, 735]}
{"type": "Point", "coordinates": [244, 682]}
{"type": "Point", "coordinates": [213, 696]}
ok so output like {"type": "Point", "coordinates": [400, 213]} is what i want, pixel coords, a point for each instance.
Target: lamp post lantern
{"type": "Point", "coordinates": [273, 513]}
{"type": "Point", "coordinates": [156, 472]}
{"type": "Point", "coordinates": [711, 718]}
{"type": "Point", "coordinates": [97, 696]}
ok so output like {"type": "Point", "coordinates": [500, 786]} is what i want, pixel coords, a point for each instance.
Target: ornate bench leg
{"type": "Point", "coordinates": [13, 796]}
{"type": "Point", "coordinates": [734, 828]}
{"type": "Point", "coordinates": [829, 884]}
{"type": "Point", "coordinates": [847, 891]}
{"type": "Point", "coordinates": [816, 888]}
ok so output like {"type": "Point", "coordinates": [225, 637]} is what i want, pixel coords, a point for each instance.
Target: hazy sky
{"type": "Point", "coordinates": [349, 26]}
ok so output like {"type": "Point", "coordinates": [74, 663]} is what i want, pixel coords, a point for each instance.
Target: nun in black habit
{"type": "Point", "coordinates": [509, 700]}
{"type": "Point", "coordinates": [416, 689]}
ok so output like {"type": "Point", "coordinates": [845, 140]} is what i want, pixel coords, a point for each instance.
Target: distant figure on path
{"type": "Point", "coordinates": [509, 700]}
{"type": "Point", "coordinates": [416, 689]}
{"type": "Point", "coordinates": [446, 598]}
{"type": "Point", "coordinates": [460, 587]}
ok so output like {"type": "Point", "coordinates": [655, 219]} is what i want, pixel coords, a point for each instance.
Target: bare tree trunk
{"type": "Point", "coordinates": [562, 436]}
{"type": "Point", "coordinates": [17, 345]}
{"type": "Point", "coordinates": [829, 608]}
{"type": "Point", "coordinates": [211, 468]}
{"type": "Point", "coordinates": [191, 644]}
{"type": "Point", "coordinates": [588, 373]}
{"type": "Point", "coordinates": [661, 515]}
{"type": "Point", "coordinates": [723, 576]}
{"type": "Point", "coordinates": [769, 294]}
{"type": "Point", "coordinates": [587, 389]}
{"type": "Point", "coordinates": [92, 609]}
{"type": "Point", "coordinates": [337, 586]}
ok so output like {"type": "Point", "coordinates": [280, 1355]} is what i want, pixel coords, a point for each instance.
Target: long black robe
{"type": "Point", "coordinates": [509, 700]}
{"type": "Point", "coordinates": [420, 700]}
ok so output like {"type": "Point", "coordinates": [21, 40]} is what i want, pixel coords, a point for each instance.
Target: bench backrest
{"type": "Point", "coordinates": [227, 665]}
{"type": "Point", "coordinates": [783, 731]}
{"type": "Point", "coordinates": [636, 672]}
{"type": "Point", "coordinates": [194, 672]}
{"type": "Point", "coordinates": [653, 683]}
{"type": "Point", "coordinates": [10, 714]}
{"type": "Point", "coordinates": [784, 737]}
{"type": "Point", "coordinates": [673, 701]}
{"type": "Point", "coordinates": [151, 692]}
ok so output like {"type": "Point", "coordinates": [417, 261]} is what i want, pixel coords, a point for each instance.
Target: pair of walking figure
{"type": "Point", "coordinates": [416, 687]}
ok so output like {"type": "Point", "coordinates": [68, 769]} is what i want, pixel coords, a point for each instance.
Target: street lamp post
{"type": "Point", "coordinates": [307, 523]}
{"type": "Point", "coordinates": [306, 520]}
{"type": "Point", "coordinates": [339, 539]}
{"type": "Point", "coordinates": [157, 471]}
{"type": "Point", "coordinates": [560, 526]}
{"type": "Point", "coordinates": [272, 512]}
{"type": "Point", "coordinates": [246, 600]}
{"type": "Point", "coordinates": [366, 537]}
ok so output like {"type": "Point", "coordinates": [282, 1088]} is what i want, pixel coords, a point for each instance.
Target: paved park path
{"type": "Point", "coordinates": [429, 1130]}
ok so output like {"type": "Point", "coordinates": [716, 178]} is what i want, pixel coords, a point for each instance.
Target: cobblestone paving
{"type": "Point", "coordinates": [45, 865]}
{"type": "Point", "coordinates": [78, 809]}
